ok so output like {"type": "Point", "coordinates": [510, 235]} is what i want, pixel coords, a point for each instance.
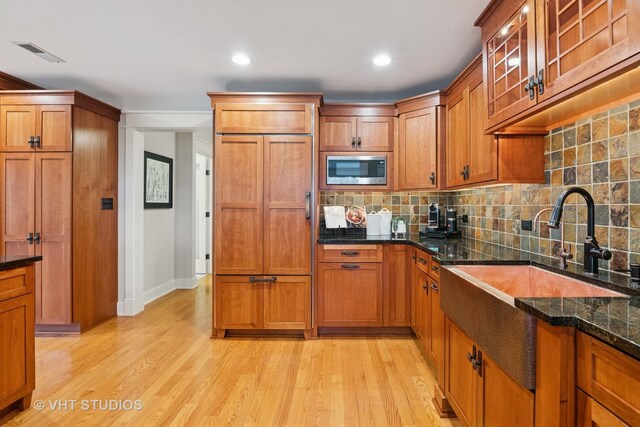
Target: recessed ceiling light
{"type": "Point", "coordinates": [39, 52]}
{"type": "Point", "coordinates": [241, 59]}
{"type": "Point", "coordinates": [382, 60]}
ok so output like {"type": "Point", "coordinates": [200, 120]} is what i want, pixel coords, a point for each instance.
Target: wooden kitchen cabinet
{"type": "Point", "coordinates": [397, 292]}
{"type": "Point", "coordinates": [420, 137]}
{"type": "Point", "coordinates": [540, 50]}
{"type": "Point", "coordinates": [350, 294]}
{"type": "Point", "coordinates": [35, 128]}
{"type": "Point", "coordinates": [480, 393]}
{"type": "Point", "coordinates": [17, 360]}
{"type": "Point", "coordinates": [357, 127]}
{"type": "Point", "coordinates": [591, 414]}
{"type": "Point", "coordinates": [52, 194]}
{"type": "Point", "coordinates": [473, 158]}
{"type": "Point", "coordinates": [262, 302]}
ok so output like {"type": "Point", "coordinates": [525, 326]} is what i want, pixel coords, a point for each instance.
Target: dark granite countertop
{"type": "Point", "coordinates": [9, 262]}
{"type": "Point", "coordinates": [615, 321]}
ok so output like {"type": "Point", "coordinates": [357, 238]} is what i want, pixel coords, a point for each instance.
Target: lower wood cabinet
{"type": "Point", "coordinates": [17, 342]}
{"type": "Point", "coordinates": [397, 289]}
{"type": "Point", "coordinates": [589, 413]}
{"type": "Point", "coordinates": [480, 393]}
{"type": "Point", "coordinates": [350, 294]}
{"type": "Point", "coordinates": [258, 302]}
{"type": "Point", "coordinates": [611, 381]}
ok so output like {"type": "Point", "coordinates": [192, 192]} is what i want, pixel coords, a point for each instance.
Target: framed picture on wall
{"type": "Point", "coordinates": [158, 181]}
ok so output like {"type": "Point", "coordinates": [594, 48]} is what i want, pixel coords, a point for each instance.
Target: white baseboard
{"type": "Point", "coordinates": [187, 283]}
{"type": "Point", "coordinates": [120, 308]}
{"type": "Point", "coordinates": [129, 307]}
{"type": "Point", "coordinates": [159, 291]}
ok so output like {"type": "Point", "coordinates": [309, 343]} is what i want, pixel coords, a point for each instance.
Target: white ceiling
{"type": "Point", "coordinates": [165, 54]}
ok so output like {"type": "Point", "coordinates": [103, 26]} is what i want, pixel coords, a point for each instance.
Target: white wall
{"type": "Point", "coordinates": [184, 202]}
{"type": "Point", "coordinates": [159, 227]}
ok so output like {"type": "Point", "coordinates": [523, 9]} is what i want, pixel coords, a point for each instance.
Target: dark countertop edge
{"type": "Point", "coordinates": [18, 262]}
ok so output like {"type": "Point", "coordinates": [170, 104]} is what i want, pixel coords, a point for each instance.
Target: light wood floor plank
{"type": "Point", "coordinates": [165, 358]}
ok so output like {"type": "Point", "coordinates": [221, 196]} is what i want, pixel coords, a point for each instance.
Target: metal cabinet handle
{"type": "Point", "coordinates": [307, 205]}
{"type": "Point", "coordinates": [31, 141]}
{"type": "Point", "coordinates": [271, 279]}
{"type": "Point", "coordinates": [359, 142]}
{"type": "Point", "coordinates": [478, 363]}
{"type": "Point", "coordinates": [349, 253]}
{"type": "Point", "coordinates": [530, 87]}
{"type": "Point", "coordinates": [422, 260]}
{"type": "Point", "coordinates": [432, 178]}
{"type": "Point", "coordinates": [30, 238]}
{"type": "Point", "coordinates": [434, 286]}
{"type": "Point", "coordinates": [350, 266]}
{"type": "Point", "coordinates": [540, 81]}
{"type": "Point", "coordinates": [36, 238]}
{"type": "Point", "coordinates": [36, 141]}
{"type": "Point", "coordinates": [353, 142]}
{"type": "Point", "coordinates": [435, 268]}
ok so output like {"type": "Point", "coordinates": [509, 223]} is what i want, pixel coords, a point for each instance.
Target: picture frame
{"type": "Point", "coordinates": [158, 181]}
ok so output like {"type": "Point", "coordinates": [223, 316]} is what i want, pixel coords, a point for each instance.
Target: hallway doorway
{"type": "Point", "coordinates": [203, 214]}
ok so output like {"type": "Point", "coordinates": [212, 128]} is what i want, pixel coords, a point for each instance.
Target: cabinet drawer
{"type": "Point", "coordinates": [591, 414]}
{"type": "Point", "coordinates": [350, 253]}
{"type": "Point", "coordinates": [16, 282]}
{"type": "Point", "coordinates": [434, 270]}
{"type": "Point", "coordinates": [423, 261]}
{"type": "Point", "coordinates": [610, 377]}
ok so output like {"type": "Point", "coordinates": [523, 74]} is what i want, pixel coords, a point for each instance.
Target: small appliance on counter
{"type": "Point", "coordinates": [379, 223]}
{"type": "Point", "coordinates": [436, 229]}
{"type": "Point", "coordinates": [399, 228]}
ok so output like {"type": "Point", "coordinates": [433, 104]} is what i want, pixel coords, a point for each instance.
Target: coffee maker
{"type": "Point", "coordinates": [441, 224]}
{"type": "Point", "coordinates": [435, 217]}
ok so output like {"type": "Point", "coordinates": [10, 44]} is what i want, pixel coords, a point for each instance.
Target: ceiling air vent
{"type": "Point", "coordinates": [39, 52]}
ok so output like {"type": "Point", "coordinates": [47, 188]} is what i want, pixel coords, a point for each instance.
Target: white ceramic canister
{"type": "Point", "coordinates": [373, 224]}
{"type": "Point", "coordinates": [385, 221]}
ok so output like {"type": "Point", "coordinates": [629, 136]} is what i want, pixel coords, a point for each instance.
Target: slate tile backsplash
{"type": "Point", "coordinates": [599, 153]}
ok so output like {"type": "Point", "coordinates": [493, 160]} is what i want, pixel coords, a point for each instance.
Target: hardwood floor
{"type": "Point", "coordinates": [165, 358]}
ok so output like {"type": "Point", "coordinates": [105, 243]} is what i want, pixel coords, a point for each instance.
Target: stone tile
{"type": "Point", "coordinates": [584, 154]}
{"type": "Point", "coordinates": [569, 137]}
{"type": "Point", "coordinates": [619, 261]}
{"type": "Point", "coordinates": [620, 192]}
{"type": "Point", "coordinates": [599, 151]}
{"type": "Point", "coordinates": [601, 172]}
{"type": "Point", "coordinates": [618, 170]}
{"type": "Point", "coordinates": [619, 238]}
{"type": "Point", "coordinates": [602, 215]}
{"type": "Point", "coordinates": [618, 124]}
{"type": "Point", "coordinates": [584, 174]}
{"type": "Point", "coordinates": [634, 191]}
{"type": "Point", "coordinates": [634, 166]}
{"type": "Point", "coordinates": [583, 134]}
{"type": "Point", "coordinates": [619, 147]}
{"type": "Point", "coordinates": [634, 144]}
{"type": "Point", "coordinates": [634, 216]}
{"type": "Point", "coordinates": [569, 157]}
{"type": "Point", "coordinates": [557, 142]}
{"type": "Point", "coordinates": [556, 159]}
{"type": "Point", "coordinates": [634, 119]}
{"type": "Point", "coordinates": [620, 215]}
{"type": "Point", "coordinates": [556, 177]}
{"type": "Point", "coordinates": [600, 129]}
{"type": "Point", "coordinates": [634, 240]}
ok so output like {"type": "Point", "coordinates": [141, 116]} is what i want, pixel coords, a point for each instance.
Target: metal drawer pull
{"type": "Point", "coordinates": [36, 238]}
{"type": "Point", "coordinates": [349, 253]}
{"type": "Point", "coordinates": [434, 286]}
{"type": "Point", "coordinates": [350, 266]}
{"type": "Point", "coordinates": [307, 205]}
{"type": "Point", "coordinates": [253, 279]}
{"type": "Point", "coordinates": [422, 260]}
{"type": "Point", "coordinates": [435, 268]}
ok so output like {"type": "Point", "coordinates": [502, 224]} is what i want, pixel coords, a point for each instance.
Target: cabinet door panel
{"type": "Point", "coordinates": [461, 379]}
{"type": "Point", "coordinates": [16, 340]}
{"type": "Point", "coordinates": [287, 181]}
{"type": "Point", "coordinates": [238, 303]}
{"type": "Point", "coordinates": [417, 142]}
{"type": "Point", "coordinates": [457, 139]}
{"type": "Point", "coordinates": [375, 133]}
{"type": "Point", "coordinates": [54, 126]}
{"type": "Point", "coordinates": [399, 286]}
{"type": "Point", "coordinates": [238, 204]}
{"type": "Point", "coordinates": [483, 149]}
{"type": "Point", "coordinates": [502, 402]}
{"type": "Point", "coordinates": [17, 125]}
{"type": "Point", "coordinates": [287, 303]}
{"type": "Point", "coordinates": [53, 222]}
{"type": "Point", "coordinates": [17, 206]}
{"type": "Point", "coordinates": [350, 296]}
{"type": "Point", "coordinates": [591, 414]}
{"type": "Point", "coordinates": [337, 133]}
{"type": "Point", "coordinates": [579, 41]}
{"type": "Point", "coordinates": [436, 328]}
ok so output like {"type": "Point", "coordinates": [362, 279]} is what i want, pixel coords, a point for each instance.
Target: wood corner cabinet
{"type": "Point", "coordinates": [51, 194]}
{"type": "Point", "coordinates": [263, 211]}
{"type": "Point", "coordinates": [540, 52]}
{"type": "Point", "coordinates": [357, 127]}
{"type": "Point", "coordinates": [419, 143]}
{"type": "Point", "coordinates": [17, 360]}
{"type": "Point", "coordinates": [473, 158]}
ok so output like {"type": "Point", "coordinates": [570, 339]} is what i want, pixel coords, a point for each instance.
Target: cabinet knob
{"type": "Point", "coordinates": [434, 286]}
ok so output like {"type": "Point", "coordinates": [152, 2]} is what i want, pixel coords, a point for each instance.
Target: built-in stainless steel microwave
{"type": "Point", "coordinates": [356, 170]}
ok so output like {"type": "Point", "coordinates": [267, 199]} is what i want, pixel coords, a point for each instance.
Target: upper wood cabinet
{"type": "Point", "coordinates": [264, 118]}
{"type": "Point", "coordinates": [357, 127]}
{"type": "Point", "coordinates": [473, 158]}
{"type": "Point", "coordinates": [535, 50]}
{"type": "Point", "coordinates": [420, 135]}
{"type": "Point", "coordinates": [35, 127]}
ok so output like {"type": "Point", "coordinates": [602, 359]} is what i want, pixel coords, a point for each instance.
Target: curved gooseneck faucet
{"type": "Point", "coordinates": [592, 251]}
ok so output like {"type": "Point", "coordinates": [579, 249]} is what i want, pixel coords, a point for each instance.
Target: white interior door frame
{"type": "Point", "coordinates": [131, 195]}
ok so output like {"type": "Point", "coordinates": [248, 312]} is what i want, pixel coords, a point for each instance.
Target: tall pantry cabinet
{"type": "Point", "coordinates": [263, 187]}
{"type": "Point", "coordinates": [58, 189]}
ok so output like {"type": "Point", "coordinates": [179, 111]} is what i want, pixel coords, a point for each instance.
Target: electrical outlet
{"type": "Point", "coordinates": [527, 225]}
{"type": "Point", "coordinates": [107, 204]}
